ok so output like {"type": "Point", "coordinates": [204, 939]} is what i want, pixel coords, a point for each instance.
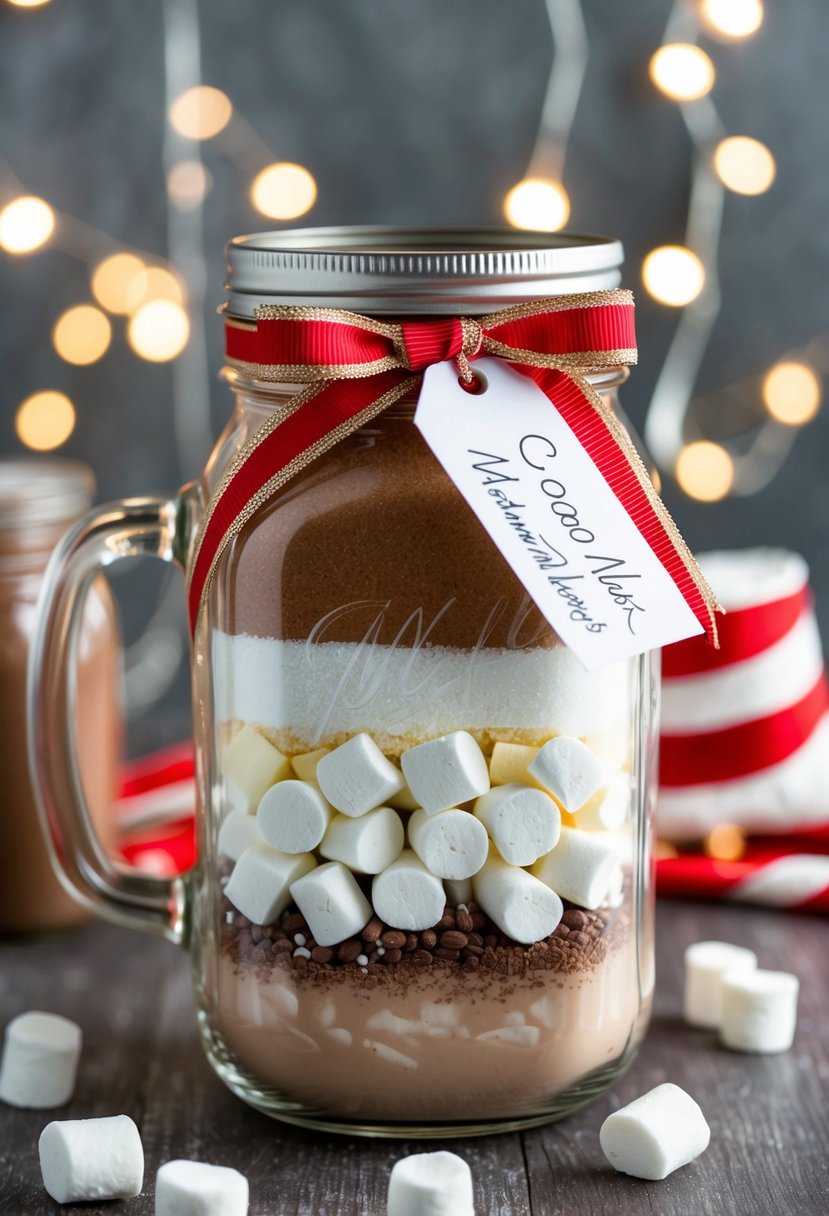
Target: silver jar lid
{"type": "Point", "coordinates": [415, 270]}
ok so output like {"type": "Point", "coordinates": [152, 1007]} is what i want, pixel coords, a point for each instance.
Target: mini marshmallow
{"type": "Point", "coordinates": [612, 748]}
{"type": "Point", "coordinates": [305, 766]}
{"type": "Point", "coordinates": [705, 965]}
{"type": "Point", "coordinates": [368, 844]}
{"type": "Point", "coordinates": [509, 764]}
{"type": "Point", "coordinates": [458, 891]}
{"type": "Point", "coordinates": [192, 1188]}
{"type": "Point", "coordinates": [609, 807]}
{"type": "Point", "coordinates": [513, 1036]}
{"type": "Point", "coordinates": [451, 844]}
{"type": "Point", "coordinates": [332, 903]}
{"type": "Point", "coordinates": [406, 896]}
{"type": "Point", "coordinates": [759, 1011]}
{"type": "Point", "coordinates": [524, 823]}
{"type": "Point", "coordinates": [444, 772]}
{"type": "Point", "coordinates": [569, 770]}
{"type": "Point", "coordinates": [404, 799]}
{"type": "Point", "coordinates": [237, 833]}
{"type": "Point", "coordinates": [259, 886]}
{"type": "Point", "coordinates": [40, 1060]}
{"type": "Point", "coordinates": [580, 868]}
{"type": "Point", "coordinates": [656, 1134]}
{"type": "Point", "coordinates": [293, 816]}
{"type": "Point", "coordinates": [431, 1184]}
{"type": "Point", "coordinates": [251, 765]}
{"type": "Point", "coordinates": [91, 1159]}
{"type": "Point", "coordinates": [522, 907]}
{"type": "Point", "coordinates": [356, 777]}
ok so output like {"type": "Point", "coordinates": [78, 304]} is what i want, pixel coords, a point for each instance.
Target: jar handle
{"type": "Point", "coordinates": [137, 527]}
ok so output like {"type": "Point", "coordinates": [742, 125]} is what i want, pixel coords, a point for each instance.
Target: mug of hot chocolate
{"type": "Point", "coordinates": [426, 575]}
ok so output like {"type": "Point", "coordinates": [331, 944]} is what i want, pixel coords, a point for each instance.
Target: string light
{"type": "Point", "coordinates": [732, 18]}
{"type": "Point", "coordinates": [725, 842]}
{"type": "Point", "coordinates": [792, 393]}
{"type": "Point", "coordinates": [201, 112]}
{"type": "Point", "coordinates": [82, 334]}
{"type": "Point", "coordinates": [159, 331]}
{"type": "Point", "coordinates": [45, 420]}
{"type": "Point", "coordinates": [673, 275]}
{"type": "Point", "coordinates": [538, 204]}
{"type": "Point", "coordinates": [188, 184]}
{"type": "Point", "coordinates": [26, 224]}
{"type": "Point", "coordinates": [744, 165]}
{"type": "Point", "coordinates": [153, 283]}
{"type": "Point", "coordinates": [682, 71]}
{"type": "Point", "coordinates": [705, 471]}
{"type": "Point", "coordinates": [113, 281]}
{"type": "Point", "coordinates": [283, 191]}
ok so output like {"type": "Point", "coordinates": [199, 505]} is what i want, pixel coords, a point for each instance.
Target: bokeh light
{"type": "Point", "coordinates": [744, 165]}
{"type": "Point", "coordinates": [82, 334]}
{"type": "Point", "coordinates": [283, 191]}
{"type": "Point", "coordinates": [26, 224]}
{"type": "Point", "coordinates": [28, 3]}
{"type": "Point", "coordinates": [792, 393]}
{"type": "Point", "coordinates": [45, 420]}
{"type": "Point", "coordinates": [725, 842]}
{"type": "Point", "coordinates": [201, 112]}
{"type": "Point", "coordinates": [153, 283]}
{"type": "Point", "coordinates": [732, 18]}
{"type": "Point", "coordinates": [113, 281]}
{"type": "Point", "coordinates": [705, 471]}
{"type": "Point", "coordinates": [188, 184]}
{"type": "Point", "coordinates": [159, 331]}
{"type": "Point", "coordinates": [682, 71]}
{"type": "Point", "coordinates": [538, 204]}
{"type": "Point", "coordinates": [673, 275]}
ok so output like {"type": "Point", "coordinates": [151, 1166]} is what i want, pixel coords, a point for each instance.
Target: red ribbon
{"type": "Point", "coordinates": [744, 633]}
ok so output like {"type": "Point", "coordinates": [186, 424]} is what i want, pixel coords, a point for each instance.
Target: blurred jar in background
{"type": "Point", "coordinates": [39, 500]}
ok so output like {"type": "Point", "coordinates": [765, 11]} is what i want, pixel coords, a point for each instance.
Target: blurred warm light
{"type": "Point", "coordinates": [159, 330]}
{"type": "Point", "coordinates": [744, 165]}
{"type": "Point", "coordinates": [537, 204]}
{"type": "Point", "coordinates": [45, 420]}
{"type": "Point", "coordinates": [673, 275]}
{"type": "Point", "coordinates": [283, 191]}
{"type": "Point", "coordinates": [28, 3]}
{"type": "Point", "coordinates": [113, 279]}
{"type": "Point", "coordinates": [733, 18]}
{"type": "Point", "coordinates": [26, 223]}
{"type": "Point", "coordinates": [153, 283]}
{"type": "Point", "coordinates": [792, 393]}
{"type": "Point", "coordinates": [664, 851]}
{"type": "Point", "coordinates": [201, 112]}
{"type": "Point", "coordinates": [725, 842]}
{"type": "Point", "coordinates": [82, 334]}
{"type": "Point", "coordinates": [682, 71]}
{"type": "Point", "coordinates": [705, 471]}
{"type": "Point", "coordinates": [656, 480]}
{"type": "Point", "coordinates": [188, 183]}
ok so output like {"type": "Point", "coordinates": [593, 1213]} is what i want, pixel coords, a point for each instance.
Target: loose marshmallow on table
{"type": "Point", "coordinates": [192, 1188]}
{"type": "Point", "coordinates": [293, 816]}
{"type": "Point", "coordinates": [524, 823]}
{"type": "Point", "coordinates": [656, 1134]}
{"type": "Point", "coordinates": [759, 1011]}
{"type": "Point", "coordinates": [406, 896]}
{"type": "Point", "coordinates": [238, 832]}
{"type": "Point", "coordinates": [368, 844]}
{"type": "Point", "coordinates": [259, 886]}
{"type": "Point", "coordinates": [451, 844]}
{"type": "Point", "coordinates": [608, 809]}
{"type": "Point", "coordinates": [580, 867]}
{"type": "Point", "coordinates": [356, 777]}
{"type": "Point", "coordinates": [91, 1159]}
{"type": "Point", "coordinates": [332, 903]}
{"type": "Point", "coordinates": [431, 1184]}
{"type": "Point", "coordinates": [705, 965]}
{"type": "Point", "coordinates": [509, 764]}
{"type": "Point", "coordinates": [569, 770]}
{"type": "Point", "coordinates": [252, 765]}
{"type": "Point", "coordinates": [305, 766]}
{"type": "Point", "coordinates": [444, 772]}
{"type": "Point", "coordinates": [40, 1060]}
{"type": "Point", "coordinates": [522, 907]}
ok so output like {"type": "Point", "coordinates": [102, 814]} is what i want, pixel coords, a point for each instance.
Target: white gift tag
{"type": "Point", "coordinates": [552, 515]}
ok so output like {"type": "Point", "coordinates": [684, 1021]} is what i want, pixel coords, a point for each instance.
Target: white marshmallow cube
{"type": "Point", "coordinates": [451, 844]}
{"type": "Point", "coordinates": [193, 1188]}
{"type": "Point", "coordinates": [509, 764]}
{"type": "Point", "coordinates": [356, 777]}
{"type": "Point", "coordinates": [91, 1159]}
{"type": "Point", "coordinates": [522, 907]}
{"type": "Point", "coordinates": [259, 886]}
{"type": "Point", "coordinates": [705, 965]}
{"type": "Point", "coordinates": [406, 896]}
{"type": "Point", "coordinates": [524, 823]}
{"type": "Point", "coordinates": [305, 766]}
{"type": "Point", "coordinates": [40, 1060]}
{"type": "Point", "coordinates": [580, 867]}
{"type": "Point", "coordinates": [368, 844]}
{"type": "Point", "coordinates": [237, 833]}
{"type": "Point", "coordinates": [656, 1134]}
{"type": "Point", "coordinates": [293, 816]}
{"type": "Point", "coordinates": [609, 807]}
{"type": "Point", "coordinates": [759, 1011]}
{"type": "Point", "coordinates": [251, 765]}
{"type": "Point", "coordinates": [431, 1184]}
{"type": "Point", "coordinates": [444, 772]}
{"type": "Point", "coordinates": [332, 903]}
{"type": "Point", "coordinates": [569, 770]}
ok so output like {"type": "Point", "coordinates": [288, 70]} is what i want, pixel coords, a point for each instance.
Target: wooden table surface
{"type": "Point", "coordinates": [769, 1116]}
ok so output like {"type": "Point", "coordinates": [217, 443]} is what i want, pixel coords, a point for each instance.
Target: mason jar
{"type": "Point", "coordinates": [423, 901]}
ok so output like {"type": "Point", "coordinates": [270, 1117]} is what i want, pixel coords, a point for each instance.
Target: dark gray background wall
{"type": "Point", "coordinates": [414, 113]}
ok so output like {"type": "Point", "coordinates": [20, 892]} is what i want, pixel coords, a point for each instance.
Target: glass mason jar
{"type": "Point", "coordinates": [360, 613]}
